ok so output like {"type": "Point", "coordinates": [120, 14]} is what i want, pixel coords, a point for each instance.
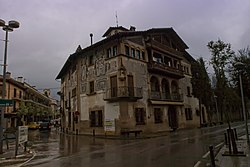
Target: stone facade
{"type": "Point", "coordinates": [131, 80]}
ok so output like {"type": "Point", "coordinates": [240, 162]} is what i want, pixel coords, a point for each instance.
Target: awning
{"type": "Point", "coordinates": [160, 102]}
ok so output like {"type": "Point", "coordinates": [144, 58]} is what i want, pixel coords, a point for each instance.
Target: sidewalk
{"type": "Point", "coordinates": [8, 158]}
{"type": "Point", "coordinates": [236, 160]}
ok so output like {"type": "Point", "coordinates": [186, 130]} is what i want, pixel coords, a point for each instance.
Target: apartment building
{"type": "Point", "coordinates": [28, 102]}
{"type": "Point", "coordinates": [130, 80]}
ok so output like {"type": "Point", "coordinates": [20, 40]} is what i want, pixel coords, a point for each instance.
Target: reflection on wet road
{"type": "Point", "coordinates": [180, 148]}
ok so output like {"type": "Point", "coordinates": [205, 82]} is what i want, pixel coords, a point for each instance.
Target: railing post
{"type": "Point", "coordinates": [225, 136]}
{"type": "Point", "coordinates": [235, 134]}
{"type": "Point", "coordinates": [229, 141]}
{"type": "Point", "coordinates": [211, 150]}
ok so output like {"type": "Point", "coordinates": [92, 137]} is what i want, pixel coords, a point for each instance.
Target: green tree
{"type": "Point", "coordinates": [243, 57]}
{"type": "Point", "coordinates": [22, 112]}
{"type": "Point", "coordinates": [221, 58]}
{"type": "Point", "coordinates": [200, 82]}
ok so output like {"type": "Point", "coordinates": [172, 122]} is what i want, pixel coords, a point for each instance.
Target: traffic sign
{"type": "Point", "coordinates": [6, 102]}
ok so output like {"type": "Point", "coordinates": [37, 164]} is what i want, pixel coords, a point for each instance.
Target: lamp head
{"type": "Point", "coordinates": [14, 24]}
{"type": "Point", "coordinates": [2, 23]}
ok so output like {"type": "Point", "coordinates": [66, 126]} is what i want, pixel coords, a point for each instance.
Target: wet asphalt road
{"type": "Point", "coordinates": [178, 149]}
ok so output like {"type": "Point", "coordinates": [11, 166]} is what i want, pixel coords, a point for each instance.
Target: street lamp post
{"type": "Point", "coordinates": [239, 64]}
{"type": "Point", "coordinates": [7, 28]}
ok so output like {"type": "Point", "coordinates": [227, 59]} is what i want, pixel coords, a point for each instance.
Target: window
{"type": "Point", "coordinates": [66, 104]}
{"type": "Point", "coordinates": [91, 87]}
{"type": "Point", "coordinates": [14, 92]}
{"type": "Point", "coordinates": [20, 94]}
{"type": "Point", "coordinates": [168, 61]}
{"type": "Point", "coordinates": [138, 54]}
{"type": "Point", "coordinates": [188, 114]}
{"type": "Point", "coordinates": [127, 52]}
{"type": "Point", "coordinates": [175, 63]}
{"type": "Point", "coordinates": [130, 85]}
{"type": "Point", "coordinates": [133, 52]}
{"type": "Point", "coordinates": [109, 53]}
{"type": "Point", "coordinates": [187, 70]}
{"type": "Point", "coordinates": [74, 92]}
{"type": "Point", "coordinates": [188, 91]}
{"type": "Point", "coordinates": [158, 115]}
{"type": "Point", "coordinates": [198, 113]}
{"type": "Point", "coordinates": [157, 57]}
{"type": "Point", "coordinates": [113, 86]}
{"type": "Point", "coordinates": [96, 118]}
{"type": "Point", "coordinates": [140, 116]}
{"type": "Point", "coordinates": [143, 55]}
{"type": "Point", "coordinates": [114, 50]}
{"type": "Point", "coordinates": [91, 60]}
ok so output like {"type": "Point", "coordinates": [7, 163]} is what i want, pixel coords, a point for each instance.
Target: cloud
{"type": "Point", "coordinates": [51, 30]}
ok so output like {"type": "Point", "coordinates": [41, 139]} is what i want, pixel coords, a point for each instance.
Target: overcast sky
{"type": "Point", "coordinates": [51, 30]}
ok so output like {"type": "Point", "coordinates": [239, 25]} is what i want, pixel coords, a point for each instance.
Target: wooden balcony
{"type": "Point", "coordinates": [156, 95]}
{"type": "Point", "coordinates": [163, 68]}
{"type": "Point", "coordinates": [159, 46]}
{"type": "Point", "coordinates": [123, 93]}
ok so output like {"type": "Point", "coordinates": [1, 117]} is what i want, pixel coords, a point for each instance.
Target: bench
{"type": "Point", "coordinates": [126, 132]}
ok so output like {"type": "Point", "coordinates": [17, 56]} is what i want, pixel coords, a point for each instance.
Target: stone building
{"type": "Point", "coordinates": [130, 80]}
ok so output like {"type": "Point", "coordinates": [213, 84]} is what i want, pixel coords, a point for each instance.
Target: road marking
{"type": "Point", "coordinates": [205, 155]}
{"type": "Point", "coordinates": [197, 164]}
{"type": "Point", "coordinates": [34, 154]}
{"type": "Point", "coordinates": [219, 145]}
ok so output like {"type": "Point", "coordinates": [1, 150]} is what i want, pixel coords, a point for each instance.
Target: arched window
{"type": "Point", "coordinates": [174, 87]}
{"type": "Point", "coordinates": [175, 91]}
{"type": "Point", "coordinates": [165, 89]}
{"type": "Point", "coordinates": [155, 88]}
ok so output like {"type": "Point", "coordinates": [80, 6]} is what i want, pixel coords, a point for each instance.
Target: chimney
{"type": "Point", "coordinates": [20, 79]}
{"type": "Point", "coordinates": [132, 28]}
{"type": "Point", "coordinates": [8, 75]}
{"type": "Point", "coordinates": [91, 38]}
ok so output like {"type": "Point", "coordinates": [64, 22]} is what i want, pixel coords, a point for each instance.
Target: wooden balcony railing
{"type": "Point", "coordinates": [157, 95]}
{"type": "Point", "coordinates": [124, 92]}
{"type": "Point", "coordinates": [160, 67]}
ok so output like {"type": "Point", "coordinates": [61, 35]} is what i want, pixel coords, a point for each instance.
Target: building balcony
{"type": "Point", "coordinates": [159, 46]}
{"type": "Point", "coordinates": [163, 68]}
{"type": "Point", "coordinates": [123, 93]}
{"type": "Point", "coordinates": [156, 95]}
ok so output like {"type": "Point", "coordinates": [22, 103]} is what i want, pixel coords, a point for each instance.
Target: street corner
{"type": "Point", "coordinates": [7, 159]}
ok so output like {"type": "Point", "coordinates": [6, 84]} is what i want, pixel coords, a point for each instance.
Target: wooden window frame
{"type": "Point", "coordinates": [140, 115]}
{"type": "Point", "coordinates": [158, 115]}
{"type": "Point", "coordinates": [188, 114]}
{"type": "Point", "coordinates": [96, 118]}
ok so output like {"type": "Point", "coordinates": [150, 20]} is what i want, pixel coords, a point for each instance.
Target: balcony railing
{"type": "Point", "coordinates": [160, 67]}
{"type": "Point", "coordinates": [157, 95]}
{"type": "Point", "coordinates": [124, 92]}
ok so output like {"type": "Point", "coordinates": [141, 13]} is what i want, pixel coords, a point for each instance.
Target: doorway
{"type": "Point", "coordinates": [172, 118]}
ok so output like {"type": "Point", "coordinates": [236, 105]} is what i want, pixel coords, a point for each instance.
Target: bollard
{"type": "Point", "coordinates": [235, 149]}
{"type": "Point", "coordinates": [25, 146]}
{"type": "Point", "coordinates": [93, 132]}
{"type": "Point", "coordinates": [229, 141]}
{"type": "Point", "coordinates": [235, 134]}
{"type": "Point", "coordinates": [211, 150]}
{"type": "Point", "coordinates": [225, 136]}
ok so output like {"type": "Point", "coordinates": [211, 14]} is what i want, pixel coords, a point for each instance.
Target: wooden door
{"type": "Point", "coordinates": [113, 85]}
